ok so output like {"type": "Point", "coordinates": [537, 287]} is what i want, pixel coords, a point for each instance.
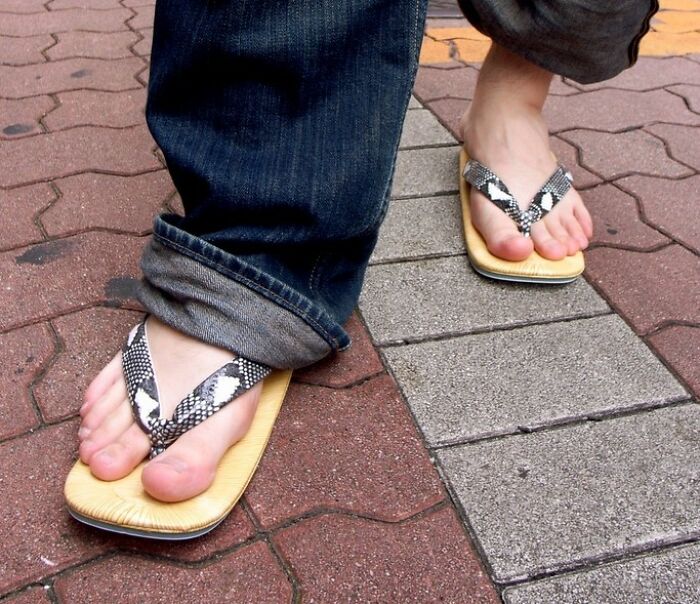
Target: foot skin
{"type": "Point", "coordinates": [505, 131]}
{"type": "Point", "coordinates": [112, 444]}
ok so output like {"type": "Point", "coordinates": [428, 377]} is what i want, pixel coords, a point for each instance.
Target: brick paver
{"type": "Point", "coordinates": [683, 142]}
{"type": "Point", "coordinates": [93, 45]}
{"type": "Point", "coordinates": [66, 274]}
{"type": "Point", "coordinates": [88, 340]}
{"type": "Point", "coordinates": [585, 110]}
{"type": "Point", "coordinates": [307, 466]}
{"type": "Point", "coordinates": [497, 382]}
{"type": "Point", "coordinates": [35, 595]}
{"type": "Point", "coordinates": [423, 560]}
{"type": "Point", "coordinates": [70, 74]}
{"type": "Point", "coordinates": [617, 219]}
{"type": "Point", "coordinates": [87, 148]}
{"type": "Point", "coordinates": [668, 205]}
{"type": "Point", "coordinates": [39, 538]}
{"type": "Point", "coordinates": [133, 202]}
{"type": "Point", "coordinates": [64, 20]}
{"type": "Point", "coordinates": [346, 368]}
{"type": "Point", "coordinates": [25, 353]}
{"type": "Point", "coordinates": [24, 51]}
{"type": "Point", "coordinates": [679, 345]}
{"type": "Point", "coordinates": [20, 117]}
{"type": "Point", "coordinates": [24, 204]}
{"type": "Point", "coordinates": [627, 278]}
{"type": "Point", "coordinates": [251, 573]}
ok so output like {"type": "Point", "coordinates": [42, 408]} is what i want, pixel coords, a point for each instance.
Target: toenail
{"type": "Point", "coordinates": [106, 455]}
{"type": "Point", "coordinates": [83, 433]}
{"type": "Point", "coordinates": [176, 464]}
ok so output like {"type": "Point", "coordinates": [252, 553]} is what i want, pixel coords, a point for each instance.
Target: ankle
{"type": "Point", "coordinates": [504, 132]}
{"type": "Point", "coordinates": [504, 73]}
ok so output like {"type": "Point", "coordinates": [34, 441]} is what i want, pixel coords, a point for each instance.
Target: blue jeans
{"type": "Point", "coordinates": [280, 121]}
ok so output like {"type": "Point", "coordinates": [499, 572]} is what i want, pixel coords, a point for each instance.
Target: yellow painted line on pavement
{"type": "Point", "coordinates": [675, 30]}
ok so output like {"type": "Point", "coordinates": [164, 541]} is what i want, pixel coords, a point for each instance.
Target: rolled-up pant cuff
{"type": "Point", "coordinates": [200, 290]}
{"type": "Point", "coordinates": [587, 41]}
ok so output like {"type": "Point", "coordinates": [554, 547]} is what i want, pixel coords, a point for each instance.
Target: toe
{"type": "Point", "coordinates": [175, 477]}
{"type": "Point", "coordinates": [584, 219]}
{"type": "Point", "coordinates": [576, 233]}
{"type": "Point", "coordinates": [101, 384]}
{"type": "Point", "coordinates": [108, 431]}
{"type": "Point", "coordinates": [107, 404]}
{"type": "Point", "coordinates": [188, 467]}
{"type": "Point", "coordinates": [119, 458]}
{"type": "Point", "coordinates": [545, 243]}
{"type": "Point", "coordinates": [499, 232]}
{"type": "Point", "coordinates": [509, 245]}
{"type": "Point", "coordinates": [557, 230]}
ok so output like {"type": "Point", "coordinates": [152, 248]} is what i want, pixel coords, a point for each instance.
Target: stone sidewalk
{"type": "Point", "coordinates": [490, 443]}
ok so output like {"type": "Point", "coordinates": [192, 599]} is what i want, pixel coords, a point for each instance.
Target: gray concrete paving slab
{"type": "Point", "coordinates": [421, 128]}
{"type": "Point", "coordinates": [557, 499]}
{"type": "Point", "coordinates": [426, 298]}
{"type": "Point", "coordinates": [668, 577]}
{"type": "Point", "coordinates": [425, 172]}
{"type": "Point", "coordinates": [497, 383]}
{"type": "Point", "coordinates": [414, 103]}
{"type": "Point", "coordinates": [420, 227]}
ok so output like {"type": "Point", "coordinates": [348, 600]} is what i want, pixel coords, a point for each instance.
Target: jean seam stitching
{"type": "Point", "coordinates": [384, 207]}
{"type": "Point", "coordinates": [332, 341]}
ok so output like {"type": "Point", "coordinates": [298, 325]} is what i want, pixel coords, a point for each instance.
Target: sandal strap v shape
{"type": "Point", "coordinates": [494, 189]}
{"type": "Point", "coordinates": [212, 394]}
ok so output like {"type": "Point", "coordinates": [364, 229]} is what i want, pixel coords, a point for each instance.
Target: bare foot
{"type": "Point", "coordinates": [505, 131]}
{"type": "Point", "coordinates": [112, 444]}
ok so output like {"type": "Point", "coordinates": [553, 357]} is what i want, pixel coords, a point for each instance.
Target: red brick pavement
{"type": "Point", "coordinates": [346, 504]}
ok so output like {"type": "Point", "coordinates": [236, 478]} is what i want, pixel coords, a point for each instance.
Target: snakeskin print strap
{"type": "Point", "coordinates": [212, 394]}
{"type": "Point", "coordinates": [549, 195]}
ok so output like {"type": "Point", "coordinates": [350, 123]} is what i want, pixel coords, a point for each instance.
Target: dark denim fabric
{"type": "Point", "coordinates": [585, 40]}
{"type": "Point", "coordinates": [279, 122]}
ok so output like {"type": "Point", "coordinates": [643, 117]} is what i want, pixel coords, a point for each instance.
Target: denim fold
{"type": "Point", "coordinates": [584, 40]}
{"type": "Point", "coordinates": [208, 294]}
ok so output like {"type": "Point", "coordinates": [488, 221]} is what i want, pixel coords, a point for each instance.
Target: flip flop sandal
{"type": "Point", "coordinates": [122, 506]}
{"type": "Point", "coordinates": [535, 268]}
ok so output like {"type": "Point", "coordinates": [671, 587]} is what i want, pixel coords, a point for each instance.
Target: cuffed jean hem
{"type": "Point", "coordinates": [587, 41]}
{"type": "Point", "coordinates": [214, 296]}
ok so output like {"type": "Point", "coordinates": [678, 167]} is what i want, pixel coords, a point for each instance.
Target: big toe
{"type": "Point", "coordinates": [188, 467]}
{"type": "Point", "coordinates": [509, 245]}
{"type": "Point", "coordinates": [498, 231]}
{"type": "Point", "coordinates": [177, 477]}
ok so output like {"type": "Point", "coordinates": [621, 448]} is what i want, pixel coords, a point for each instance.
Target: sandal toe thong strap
{"type": "Point", "coordinates": [494, 189]}
{"type": "Point", "coordinates": [213, 393]}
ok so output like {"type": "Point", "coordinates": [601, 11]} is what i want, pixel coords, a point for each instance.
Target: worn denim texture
{"type": "Point", "coordinates": [585, 40]}
{"type": "Point", "coordinates": [280, 122]}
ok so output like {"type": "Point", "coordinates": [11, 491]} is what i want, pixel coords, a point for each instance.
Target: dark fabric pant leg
{"type": "Point", "coordinates": [279, 122]}
{"type": "Point", "coordinates": [585, 40]}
